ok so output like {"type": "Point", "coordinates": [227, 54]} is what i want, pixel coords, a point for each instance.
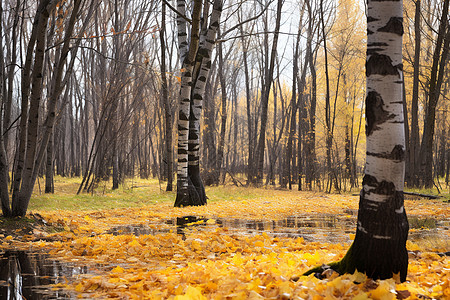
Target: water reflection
{"type": "Point", "coordinates": [25, 275]}
{"type": "Point", "coordinates": [318, 228]}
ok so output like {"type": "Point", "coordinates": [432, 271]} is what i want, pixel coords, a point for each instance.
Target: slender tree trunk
{"type": "Point", "coordinates": [414, 146]}
{"type": "Point", "coordinates": [223, 113]}
{"type": "Point", "coordinates": [166, 103]}
{"type": "Point", "coordinates": [250, 161]}
{"type": "Point", "coordinates": [293, 118]}
{"type": "Point", "coordinates": [49, 170]}
{"type": "Point", "coordinates": [329, 137]}
{"type": "Point", "coordinates": [4, 195]}
{"type": "Point", "coordinates": [265, 97]}
{"type": "Point", "coordinates": [10, 78]}
{"type": "Point", "coordinates": [311, 163]}
{"type": "Point", "coordinates": [20, 204]}
{"type": "Point", "coordinates": [437, 73]}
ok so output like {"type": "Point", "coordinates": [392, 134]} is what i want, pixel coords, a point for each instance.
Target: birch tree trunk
{"type": "Point", "coordinates": [187, 55]}
{"type": "Point", "coordinates": [196, 66]}
{"type": "Point", "coordinates": [379, 248]}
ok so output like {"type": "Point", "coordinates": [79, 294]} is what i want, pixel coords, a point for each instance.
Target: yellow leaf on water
{"type": "Point", "coordinates": [259, 244]}
{"type": "Point", "coordinates": [118, 269]}
{"type": "Point", "coordinates": [79, 287]}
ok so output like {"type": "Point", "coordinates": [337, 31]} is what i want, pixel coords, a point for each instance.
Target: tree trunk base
{"type": "Point", "coordinates": [194, 195]}
{"type": "Point", "coordinates": [358, 258]}
{"type": "Point", "coordinates": [378, 255]}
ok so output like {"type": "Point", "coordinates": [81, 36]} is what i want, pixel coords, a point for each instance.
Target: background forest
{"type": "Point", "coordinates": [91, 88]}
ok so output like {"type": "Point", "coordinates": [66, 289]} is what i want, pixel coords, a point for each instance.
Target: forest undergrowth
{"type": "Point", "coordinates": [152, 250]}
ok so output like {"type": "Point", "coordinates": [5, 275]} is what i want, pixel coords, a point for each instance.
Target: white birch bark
{"type": "Point", "coordinates": [207, 43]}
{"type": "Point", "coordinates": [182, 36]}
{"type": "Point", "coordinates": [187, 59]}
{"type": "Point", "coordinates": [379, 248]}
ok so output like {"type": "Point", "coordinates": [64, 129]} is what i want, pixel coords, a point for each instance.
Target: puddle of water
{"type": "Point", "coordinates": [324, 228]}
{"type": "Point", "coordinates": [26, 275]}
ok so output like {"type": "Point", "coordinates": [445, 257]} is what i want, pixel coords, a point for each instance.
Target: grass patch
{"type": "Point", "coordinates": [132, 193]}
{"type": "Point", "coordinates": [139, 192]}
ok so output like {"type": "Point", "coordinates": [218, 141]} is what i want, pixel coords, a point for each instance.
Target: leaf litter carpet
{"type": "Point", "coordinates": [140, 253]}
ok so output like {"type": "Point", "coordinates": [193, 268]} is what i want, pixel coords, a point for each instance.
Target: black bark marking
{"type": "Point", "coordinates": [183, 116]}
{"type": "Point", "coordinates": [375, 113]}
{"type": "Point", "coordinates": [372, 51]}
{"type": "Point", "coordinates": [370, 180]}
{"type": "Point", "coordinates": [380, 257]}
{"type": "Point", "coordinates": [377, 45]}
{"type": "Point", "coordinates": [371, 19]}
{"type": "Point", "coordinates": [369, 32]}
{"type": "Point", "coordinates": [384, 188]}
{"type": "Point", "coordinates": [397, 154]}
{"type": "Point", "coordinates": [380, 64]}
{"type": "Point", "coordinates": [394, 25]}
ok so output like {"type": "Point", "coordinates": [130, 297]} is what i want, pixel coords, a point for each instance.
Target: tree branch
{"type": "Point", "coordinates": [243, 22]}
{"type": "Point", "coordinates": [177, 12]}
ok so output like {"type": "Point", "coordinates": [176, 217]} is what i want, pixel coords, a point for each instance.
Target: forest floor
{"type": "Point", "coordinates": [247, 243]}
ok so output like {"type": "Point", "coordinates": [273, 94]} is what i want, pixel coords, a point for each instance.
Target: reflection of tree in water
{"type": "Point", "coordinates": [25, 275]}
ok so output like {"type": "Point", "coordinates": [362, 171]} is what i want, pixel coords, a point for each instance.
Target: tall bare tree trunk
{"type": "Point", "coordinates": [165, 101]}
{"type": "Point", "coordinates": [437, 73]}
{"type": "Point", "coordinates": [20, 204]}
{"type": "Point", "coordinates": [4, 195]}
{"type": "Point", "coordinates": [414, 146]}
{"type": "Point", "coordinates": [265, 97]}
{"type": "Point", "coordinates": [223, 113]}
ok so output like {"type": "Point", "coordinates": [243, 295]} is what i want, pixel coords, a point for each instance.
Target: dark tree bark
{"type": "Point", "coordinates": [268, 78]}
{"type": "Point", "coordinates": [223, 113]}
{"type": "Point", "coordinates": [311, 163]}
{"type": "Point", "coordinates": [329, 137]}
{"type": "Point", "coordinates": [414, 146]}
{"type": "Point", "coordinates": [49, 168]}
{"type": "Point", "coordinates": [4, 196]}
{"type": "Point", "coordinates": [437, 73]}
{"type": "Point", "coordinates": [166, 103]}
